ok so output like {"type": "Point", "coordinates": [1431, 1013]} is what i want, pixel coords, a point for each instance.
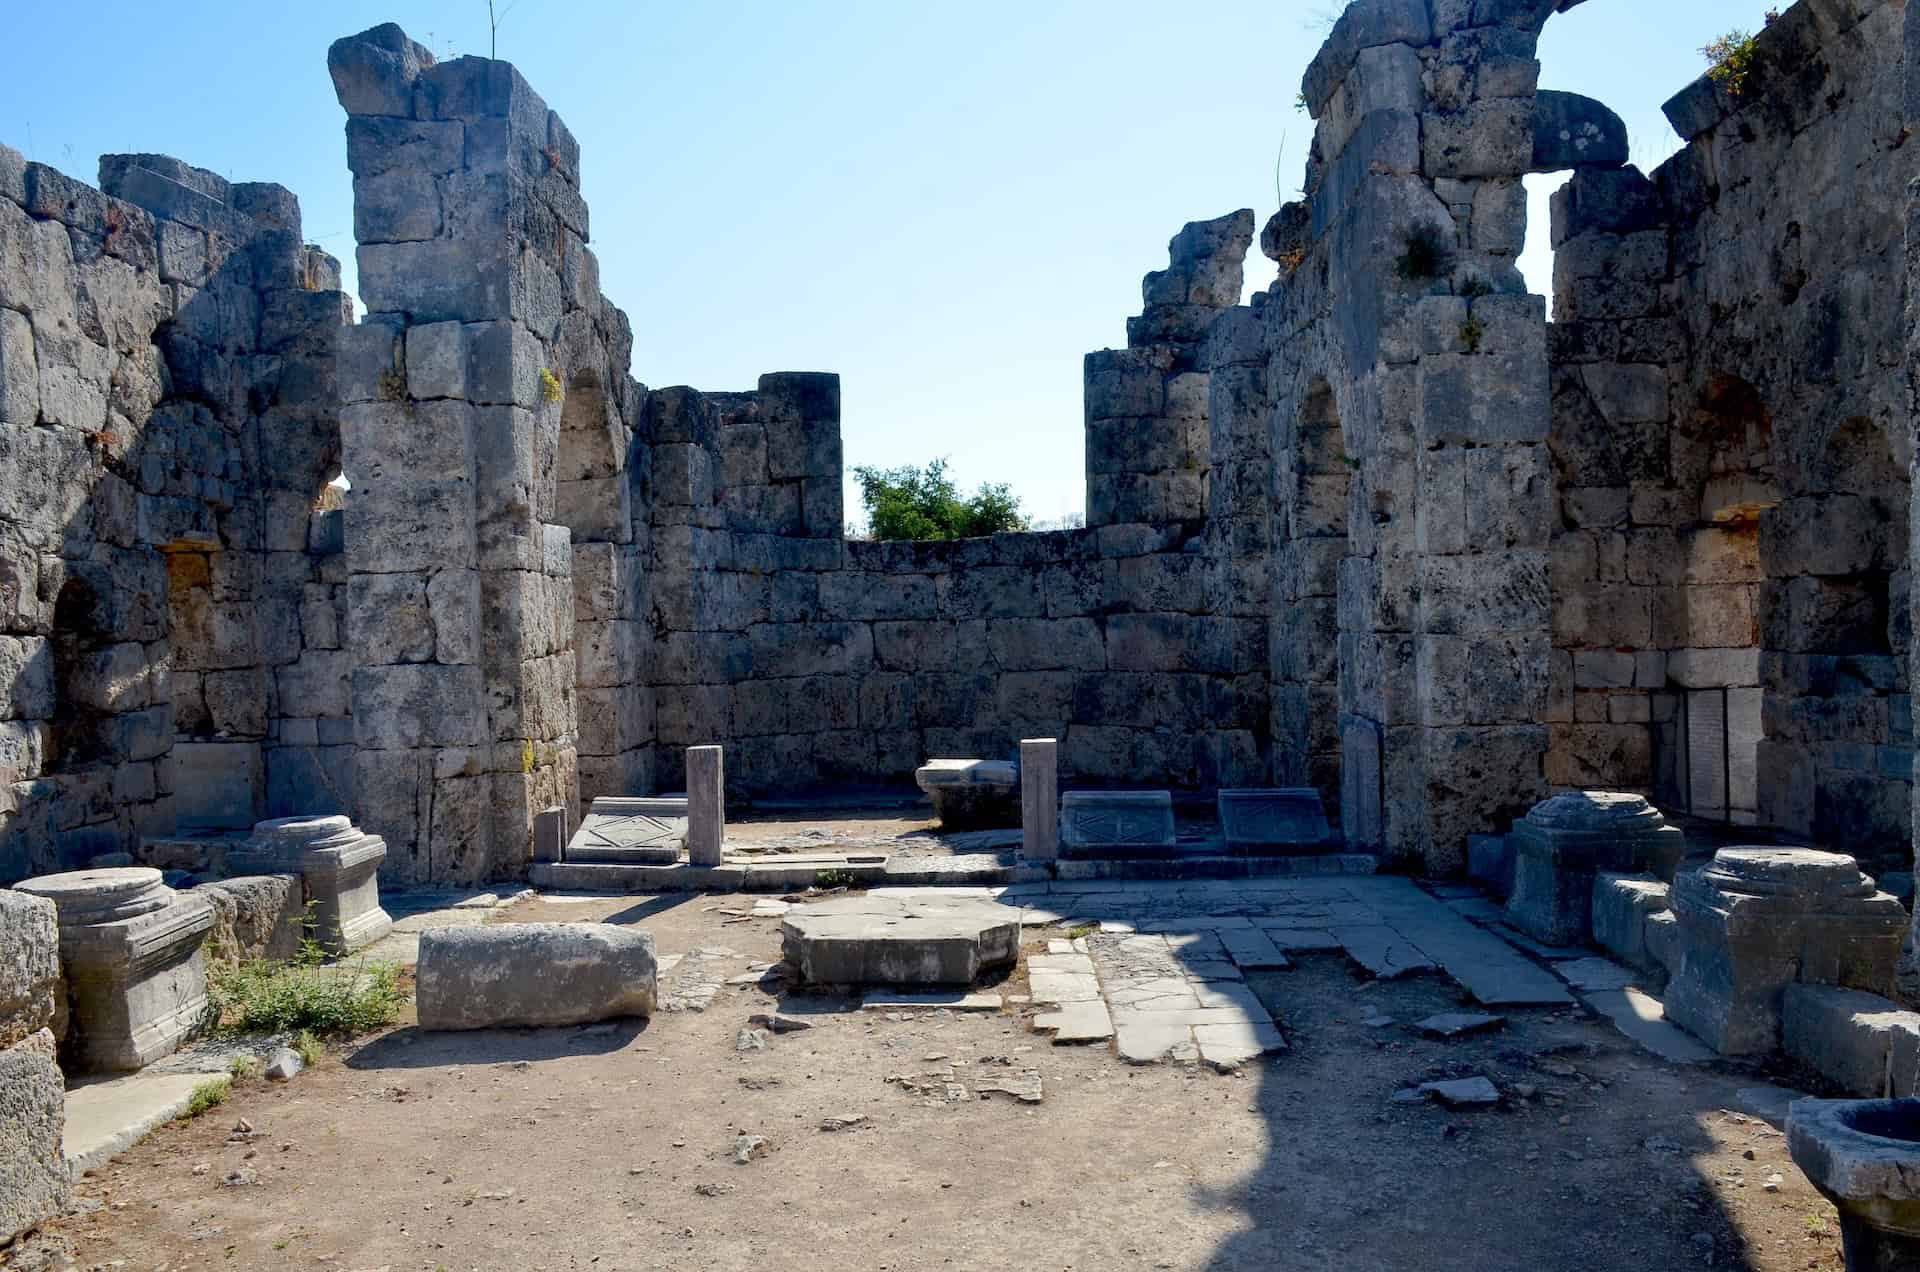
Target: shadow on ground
{"type": "Point", "coordinates": [415, 1048]}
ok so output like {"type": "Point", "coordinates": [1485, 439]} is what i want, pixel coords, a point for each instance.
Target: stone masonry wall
{"type": "Point", "coordinates": [166, 432]}
{"type": "Point", "coordinates": [1731, 572]}
{"type": "Point", "coordinates": [815, 659]}
{"type": "Point", "coordinates": [484, 318]}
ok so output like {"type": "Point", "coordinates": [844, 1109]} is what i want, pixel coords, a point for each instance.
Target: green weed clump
{"type": "Point", "coordinates": [305, 996]}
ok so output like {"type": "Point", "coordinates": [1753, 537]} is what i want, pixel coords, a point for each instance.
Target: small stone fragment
{"type": "Point", "coordinates": [748, 1147]}
{"type": "Point", "coordinates": [1463, 1093]}
{"type": "Point", "coordinates": [844, 1123]}
{"type": "Point", "coordinates": [750, 1040]}
{"type": "Point", "coordinates": [284, 1065]}
{"type": "Point", "coordinates": [1454, 1024]}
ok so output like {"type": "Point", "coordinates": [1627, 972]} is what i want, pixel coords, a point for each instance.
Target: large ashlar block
{"type": "Point", "coordinates": [631, 830]}
{"type": "Point", "coordinates": [1566, 841]}
{"type": "Point", "coordinates": [1115, 825]}
{"type": "Point", "coordinates": [136, 974]}
{"type": "Point", "coordinates": [972, 793]}
{"type": "Point", "coordinates": [34, 1183]}
{"type": "Point", "coordinates": [29, 965]}
{"type": "Point", "coordinates": [339, 866]}
{"type": "Point", "coordinates": [900, 940]}
{"type": "Point", "coordinates": [533, 974]}
{"type": "Point", "coordinates": [1755, 920]}
{"type": "Point", "coordinates": [1283, 822]}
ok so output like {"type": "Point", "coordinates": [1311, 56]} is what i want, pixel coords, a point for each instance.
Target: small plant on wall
{"type": "Point", "coordinates": [1731, 57]}
{"type": "Point", "coordinates": [1428, 255]}
{"type": "Point", "coordinates": [550, 390]}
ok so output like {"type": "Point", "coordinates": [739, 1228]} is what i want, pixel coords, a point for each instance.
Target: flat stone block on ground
{"type": "Point", "coordinates": [900, 940]}
{"type": "Point", "coordinates": [1281, 822]}
{"type": "Point", "coordinates": [629, 830]}
{"type": "Point", "coordinates": [521, 974]}
{"type": "Point", "coordinates": [1847, 1036]}
{"type": "Point", "coordinates": [1116, 825]}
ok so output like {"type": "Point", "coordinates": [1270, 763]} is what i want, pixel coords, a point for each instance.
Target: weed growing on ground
{"type": "Point", "coordinates": [306, 996]}
{"type": "Point", "coordinates": [209, 1094]}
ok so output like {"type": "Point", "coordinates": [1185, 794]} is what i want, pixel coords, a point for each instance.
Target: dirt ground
{"type": "Point", "coordinates": [611, 1147]}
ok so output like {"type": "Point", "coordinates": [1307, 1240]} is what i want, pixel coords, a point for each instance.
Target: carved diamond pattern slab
{"type": "Point", "coordinates": [1278, 822]}
{"type": "Point", "coordinates": [631, 831]}
{"type": "Point", "coordinates": [1116, 824]}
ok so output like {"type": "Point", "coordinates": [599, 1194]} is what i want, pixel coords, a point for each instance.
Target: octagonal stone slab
{"type": "Point", "coordinates": [894, 940]}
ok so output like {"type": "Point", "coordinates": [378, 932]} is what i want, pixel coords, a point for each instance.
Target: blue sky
{"type": "Point", "coordinates": [947, 204]}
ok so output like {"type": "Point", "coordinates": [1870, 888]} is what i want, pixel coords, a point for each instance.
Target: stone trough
{"type": "Point", "coordinates": [1864, 1157]}
{"type": "Point", "coordinates": [900, 940]}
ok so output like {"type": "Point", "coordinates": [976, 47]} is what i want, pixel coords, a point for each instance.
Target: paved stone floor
{"type": "Point", "coordinates": [1159, 968]}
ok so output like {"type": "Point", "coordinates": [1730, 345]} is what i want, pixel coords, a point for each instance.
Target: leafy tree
{"type": "Point", "coordinates": [923, 503]}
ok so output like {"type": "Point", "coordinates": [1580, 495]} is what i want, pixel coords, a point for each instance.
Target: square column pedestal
{"type": "Point", "coordinates": [339, 867]}
{"type": "Point", "coordinates": [1755, 920]}
{"type": "Point", "coordinates": [1565, 841]}
{"type": "Point", "coordinates": [130, 948]}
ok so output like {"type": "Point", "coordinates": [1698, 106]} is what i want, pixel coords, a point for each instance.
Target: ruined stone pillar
{"type": "Point", "coordinates": [131, 950]}
{"type": "Point", "coordinates": [471, 232]}
{"type": "Point", "coordinates": [706, 804]}
{"type": "Point", "coordinates": [1040, 798]}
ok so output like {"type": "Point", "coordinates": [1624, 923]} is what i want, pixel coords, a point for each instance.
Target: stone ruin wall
{"type": "Point", "coordinates": [1731, 579]}
{"type": "Point", "coordinates": [168, 572]}
{"type": "Point", "coordinates": [1386, 531]}
{"type": "Point", "coordinates": [815, 659]}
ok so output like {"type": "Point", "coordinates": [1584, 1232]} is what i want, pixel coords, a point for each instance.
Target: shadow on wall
{"type": "Point", "coordinates": [170, 605]}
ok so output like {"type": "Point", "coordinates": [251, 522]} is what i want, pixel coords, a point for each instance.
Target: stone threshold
{"type": "Point", "coordinates": [794, 874]}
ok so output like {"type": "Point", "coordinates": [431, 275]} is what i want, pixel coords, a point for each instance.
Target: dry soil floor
{"type": "Point", "coordinates": [612, 1147]}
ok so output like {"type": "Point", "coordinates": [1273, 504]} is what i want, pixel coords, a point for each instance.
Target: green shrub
{"type": "Point", "coordinates": [306, 996]}
{"type": "Point", "coordinates": [1731, 57]}
{"type": "Point", "coordinates": [923, 503]}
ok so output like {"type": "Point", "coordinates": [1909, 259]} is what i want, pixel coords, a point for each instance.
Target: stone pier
{"type": "Point", "coordinates": [130, 948]}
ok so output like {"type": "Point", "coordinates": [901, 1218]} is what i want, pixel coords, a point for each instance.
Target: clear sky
{"type": "Point", "coordinates": [947, 204]}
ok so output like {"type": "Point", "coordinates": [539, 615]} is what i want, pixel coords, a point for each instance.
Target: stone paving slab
{"type": "Point", "coordinates": [1486, 966]}
{"type": "Point", "coordinates": [1382, 951]}
{"type": "Point", "coordinates": [1077, 1023]}
{"type": "Point", "coordinates": [109, 1117]}
{"type": "Point", "coordinates": [1594, 974]}
{"type": "Point", "coordinates": [1641, 1017]}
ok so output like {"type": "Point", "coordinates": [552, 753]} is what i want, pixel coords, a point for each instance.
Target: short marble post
{"type": "Point", "coordinates": [131, 950]}
{"type": "Point", "coordinates": [550, 834]}
{"type": "Point", "coordinates": [1040, 798]}
{"type": "Point", "coordinates": [706, 804]}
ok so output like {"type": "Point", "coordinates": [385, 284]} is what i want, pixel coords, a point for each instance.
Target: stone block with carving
{"type": "Point", "coordinates": [631, 830]}
{"type": "Point", "coordinates": [1116, 825]}
{"type": "Point", "coordinates": [1565, 841]}
{"type": "Point", "coordinates": [1755, 920]}
{"type": "Point", "coordinates": [136, 974]}
{"type": "Point", "coordinates": [972, 794]}
{"type": "Point", "coordinates": [1283, 822]}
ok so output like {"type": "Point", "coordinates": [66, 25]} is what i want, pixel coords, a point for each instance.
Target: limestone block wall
{"type": "Point", "coordinates": [1408, 378]}
{"type": "Point", "coordinates": [1147, 433]}
{"type": "Point", "coordinates": [820, 660]}
{"type": "Point", "coordinates": [1731, 575]}
{"type": "Point", "coordinates": [166, 431]}
{"type": "Point", "coordinates": [484, 319]}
